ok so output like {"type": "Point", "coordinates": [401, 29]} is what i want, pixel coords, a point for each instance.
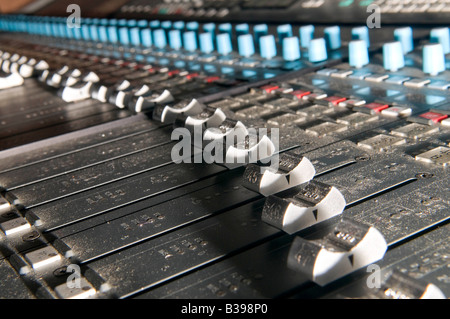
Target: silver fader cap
{"type": "Point", "coordinates": [348, 247]}
{"type": "Point", "coordinates": [5, 206]}
{"type": "Point", "coordinates": [168, 114]}
{"type": "Point", "coordinates": [82, 290]}
{"type": "Point", "coordinates": [227, 130]}
{"type": "Point", "coordinates": [402, 286]}
{"type": "Point", "coordinates": [303, 206]}
{"type": "Point", "coordinates": [252, 149]}
{"type": "Point", "coordinates": [209, 117]}
{"type": "Point", "coordinates": [292, 170]}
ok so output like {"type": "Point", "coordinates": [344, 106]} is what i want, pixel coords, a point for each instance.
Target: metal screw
{"type": "Point", "coordinates": [424, 175]}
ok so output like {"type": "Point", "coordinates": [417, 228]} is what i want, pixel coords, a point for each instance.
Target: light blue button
{"type": "Point", "coordinates": [442, 36]}
{"type": "Point", "coordinates": [317, 50]}
{"type": "Point", "coordinates": [361, 33]}
{"type": "Point", "coordinates": [166, 25]}
{"type": "Point", "coordinates": [393, 59]}
{"type": "Point", "coordinates": [154, 24]}
{"type": "Point", "coordinates": [358, 53]}
{"type": "Point", "coordinates": [267, 46]}
{"type": "Point", "coordinates": [224, 46]}
{"type": "Point", "coordinates": [225, 28]}
{"type": "Point", "coordinates": [433, 59]}
{"type": "Point", "coordinates": [260, 30]}
{"type": "Point", "coordinates": [241, 29]}
{"type": "Point", "coordinates": [306, 35]}
{"type": "Point", "coordinates": [192, 26]}
{"type": "Point", "coordinates": [190, 41]}
{"type": "Point", "coordinates": [146, 37]}
{"type": "Point", "coordinates": [284, 31]}
{"type": "Point", "coordinates": [291, 48]}
{"type": "Point", "coordinates": [333, 37]}
{"type": "Point", "coordinates": [135, 36]}
{"type": "Point", "coordinates": [113, 37]}
{"type": "Point", "coordinates": [209, 27]}
{"type": "Point", "coordinates": [405, 37]}
{"type": "Point", "coordinates": [175, 39]}
{"type": "Point", "coordinates": [178, 25]}
{"type": "Point", "coordinates": [159, 38]}
{"type": "Point", "coordinates": [246, 45]}
{"type": "Point", "coordinates": [206, 42]}
{"type": "Point", "coordinates": [124, 35]}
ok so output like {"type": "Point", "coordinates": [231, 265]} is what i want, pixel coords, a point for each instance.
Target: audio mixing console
{"type": "Point", "coordinates": [234, 149]}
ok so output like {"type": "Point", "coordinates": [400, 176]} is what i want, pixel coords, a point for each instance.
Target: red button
{"type": "Point", "coordinates": [433, 116]}
{"type": "Point", "coordinates": [211, 79]}
{"type": "Point", "coordinates": [173, 72]}
{"type": "Point", "coordinates": [335, 100]}
{"type": "Point", "coordinates": [269, 88]}
{"type": "Point", "coordinates": [299, 93]}
{"type": "Point", "coordinates": [191, 76]}
{"type": "Point", "coordinates": [377, 107]}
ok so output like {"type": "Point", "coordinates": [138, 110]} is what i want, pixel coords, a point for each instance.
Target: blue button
{"type": "Point", "coordinates": [159, 38]}
{"type": "Point", "coordinates": [306, 35]}
{"type": "Point", "coordinates": [146, 37]}
{"type": "Point", "coordinates": [209, 27]}
{"type": "Point", "coordinates": [442, 36]}
{"type": "Point", "coordinates": [246, 46]}
{"type": "Point", "coordinates": [361, 33]}
{"type": "Point", "coordinates": [154, 24]}
{"type": "Point", "coordinates": [206, 42]}
{"type": "Point", "coordinates": [358, 53]}
{"type": "Point", "coordinates": [260, 30]}
{"type": "Point", "coordinates": [317, 50]}
{"type": "Point", "coordinates": [333, 37]}
{"type": "Point", "coordinates": [175, 39]}
{"type": "Point", "coordinates": [267, 46]}
{"type": "Point", "coordinates": [225, 28]}
{"type": "Point", "coordinates": [241, 29]}
{"type": "Point", "coordinates": [393, 59]}
{"type": "Point", "coordinates": [224, 46]}
{"type": "Point", "coordinates": [166, 25]}
{"type": "Point", "coordinates": [405, 37]}
{"type": "Point", "coordinates": [291, 48]}
{"type": "Point", "coordinates": [135, 36]}
{"type": "Point", "coordinates": [112, 34]}
{"type": "Point", "coordinates": [284, 31]}
{"type": "Point", "coordinates": [433, 58]}
{"type": "Point", "coordinates": [192, 26]}
{"type": "Point", "coordinates": [178, 25]}
{"type": "Point", "coordinates": [124, 35]}
{"type": "Point", "coordinates": [190, 41]}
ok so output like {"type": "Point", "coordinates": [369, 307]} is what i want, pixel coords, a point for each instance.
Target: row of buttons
{"type": "Point", "coordinates": [391, 79]}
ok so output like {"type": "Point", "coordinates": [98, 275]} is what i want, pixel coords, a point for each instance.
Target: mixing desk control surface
{"type": "Point", "coordinates": [226, 150]}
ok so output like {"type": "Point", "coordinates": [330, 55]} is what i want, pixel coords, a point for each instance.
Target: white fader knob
{"type": "Point", "coordinates": [169, 113]}
{"type": "Point", "coordinates": [302, 206]}
{"type": "Point", "coordinates": [291, 170]}
{"type": "Point", "coordinates": [348, 247]}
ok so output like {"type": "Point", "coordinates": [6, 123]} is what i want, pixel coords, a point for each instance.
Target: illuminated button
{"type": "Point", "coordinates": [393, 59]}
{"type": "Point", "coordinates": [206, 42]}
{"type": "Point", "coordinates": [439, 155]}
{"type": "Point", "coordinates": [382, 142]}
{"type": "Point", "coordinates": [246, 46]}
{"type": "Point", "coordinates": [358, 53]}
{"type": "Point", "coordinates": [299, 93]}
{"type": "Point", "coordinates": [433, 59]}
{"type": "Point", "coordinates": [433, 117]}
{"type": "Point", "coordinates": [302, 206]}
{"type": "Point", "coordinates": [267, 46]}
{"type": "Point", "coordinates": [291, 49]}
{"type": "Point", "coordinates": [376, 107]}
{"type": "Point", "coordinates": [346, 248]}
{"type": "Point", "coordinates": [414, 130]}
{"type": "Point", "coordinates": [285, 170]}
{"type": "Point", "coordinates": [269, 88]}
{"type": "Point", "coordinates": [317, 51]}
{"type": "Point", "coordinates": [224, 46]}
{"type": "Point", "coordinates": [397, 111]}
{"type": "Point", "coordinates": [306, 35]}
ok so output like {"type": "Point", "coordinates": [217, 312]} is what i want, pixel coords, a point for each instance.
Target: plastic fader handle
{"type": "Point", "coordinates": [303, 206]}
{"type": "Point", "coordinates": [348, 247]}
{"type": "Point", "coordinates": [209, 117]}
{"type": "Point", "coordinates": [170, 113]}
{"type": "Point", "coordinates": [292, 170]}
{"type": "Point", "coordinates": [401, 286]}
{"type": "Point", "coordinates": [249, 150]}
{"type": "Point", "coordinates": [228, 130]}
